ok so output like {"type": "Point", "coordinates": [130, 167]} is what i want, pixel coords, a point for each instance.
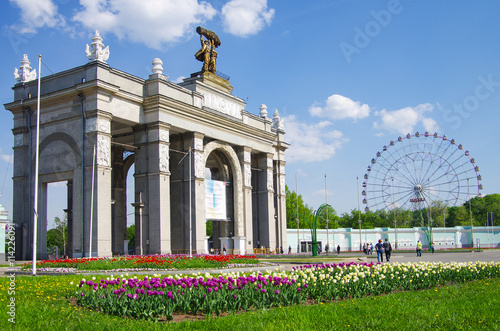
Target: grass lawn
{"type": "Point", "coordinates": [40, 305]}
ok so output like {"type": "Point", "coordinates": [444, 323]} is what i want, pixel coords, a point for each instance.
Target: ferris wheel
{"type": "Point", "coordinates": [416, 170]}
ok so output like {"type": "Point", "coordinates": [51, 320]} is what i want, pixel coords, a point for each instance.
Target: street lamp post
{"type": "Point", "coordinates": [359, 216]}
{"type": "Point", "coordinates": [470, 213]}
{"type": "Point", "coordinates": [395, 222]}
{"type": "Point", "coordinates": [489, 216]}
{"type": "Point", "coordinates": [297, 213]}
{"type": "Point", "coordinates": [327, 221]}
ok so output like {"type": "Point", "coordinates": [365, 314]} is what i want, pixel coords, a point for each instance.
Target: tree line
{"type": "Point", "coordinates": [482, 210]}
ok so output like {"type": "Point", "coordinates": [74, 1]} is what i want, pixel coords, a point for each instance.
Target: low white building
{"type": "Point", "coordinates": [404, 238]}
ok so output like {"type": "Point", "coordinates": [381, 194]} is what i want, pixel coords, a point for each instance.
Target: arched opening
{"type": "Point", "coordinates": [219, 171]}
{"type": "Point", "coordinates": [122, 187]}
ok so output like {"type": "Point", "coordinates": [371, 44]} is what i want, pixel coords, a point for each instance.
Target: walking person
{"type": "Point", "coordinates": [338, 249]}
{"type": "Point", "coordinates": [224, 249]}
{"type": "Point", "coordinates": [387, 250]}
{"type": "Point", "coordinates": [371, 248]}
{"type": "Point", "coordinates": [380, 251]}
{"type": "Point", "coordinates": [419, 248]}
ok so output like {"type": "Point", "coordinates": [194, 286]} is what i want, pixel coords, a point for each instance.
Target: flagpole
{"type": "Point", "coordinates": [190, 212]}
{"type": "Point", "coordinates": [35, 220]}
{"type": "Point", "coordinates": [297, 213]}
{"type": "Point", "coordinates": [327, 221]}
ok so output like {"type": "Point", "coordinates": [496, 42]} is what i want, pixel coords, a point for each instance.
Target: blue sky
{"type": "Point", "coordinates": [347, 77]}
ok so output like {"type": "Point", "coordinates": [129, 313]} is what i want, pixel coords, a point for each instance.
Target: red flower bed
{"type": "Point", "coordinates": [168, 261]}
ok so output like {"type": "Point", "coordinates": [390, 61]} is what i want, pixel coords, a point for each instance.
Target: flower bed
{"type": "Point", "coordinates": [155, 297]}
{"type": "Point", "coordinates": [146, 262]}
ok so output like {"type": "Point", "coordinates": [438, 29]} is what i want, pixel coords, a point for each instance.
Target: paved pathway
{"type": "Point", "coordinates": [445, 257]}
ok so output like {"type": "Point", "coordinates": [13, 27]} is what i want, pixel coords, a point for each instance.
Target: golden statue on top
{"type": "Point", "coordinates": [207, 53]}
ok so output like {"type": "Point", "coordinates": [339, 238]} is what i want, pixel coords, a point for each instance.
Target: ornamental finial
{"type": "Point", "coordinates": [277, 121]}
{"type": "Point", "coordinates": [96, 51]}
{"type": "Point", "coordinates": [25, 74]}
{"type": "Point", "coordinates": [263, 111]}
{"type": "Point", "coordinates": [157, 66]}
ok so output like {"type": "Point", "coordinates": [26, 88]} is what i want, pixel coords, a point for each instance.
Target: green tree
{"type": "Point", "coordinates": [305, 213]}
{"type": "Point", "coordinates": [58, 236]}
{"type": "Point", "coordinates": [481, 206]}
{"type": "Point", "coordinates": [131, 236]}
{"type": "Point", "coordinates": [210, 230]}
{"type": "Point", "coordinates": [330, 214]}
{"type": "Point", "coordinates": [442, 215]}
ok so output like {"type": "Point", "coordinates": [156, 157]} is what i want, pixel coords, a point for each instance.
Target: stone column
{"type": "Point", "coordinates": [199, 225]}
{"type": "Point", "coordinates": [98, 131]}
{"type": "Point", "coordinates": [267, 221]}
{"type": "Point", "coordinates": [152, 181]}
{"type": "Point", "coordinates": [139, 220]}
{"type": "Point", "coordinates": [22, 213]}
{"type": "Point", "coordinates": [159, 188]}
{"type": "Point", "coordinates": [42, 222]}
{"type": "Point", "coordinates": [280, 202]}
{"type": "Point", "coordinates": [246, 243]}
{"type": "Point", "coordinates": [69, 215]}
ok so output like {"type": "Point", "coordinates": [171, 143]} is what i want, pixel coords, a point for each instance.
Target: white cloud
{"type": "Point", "coordinates": [404, 120]}
{"type": "Point", "coordinates": [311, 142]}
{"type": "Point", "coordinates": [244, 18]}
{"type": "Point", "coordinates": [339, 107]}
{"type": "Point", "coordinates": [151, 22]}
{"type": "Point", "coordinates": [179, 79]}
{"type": "Point", "coordinates": [37, 14]}
{"type": "Point", "coordinates": [6, 158]}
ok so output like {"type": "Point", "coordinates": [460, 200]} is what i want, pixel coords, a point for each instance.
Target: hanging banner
{"type": "Point", "coordinates": [215, 200]}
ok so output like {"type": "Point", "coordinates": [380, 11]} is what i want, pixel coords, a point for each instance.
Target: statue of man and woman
{"type": "Point", "coordinates": [207, 53]}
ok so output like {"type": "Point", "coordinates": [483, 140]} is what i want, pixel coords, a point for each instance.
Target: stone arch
{"type": "Point", "coordinates": [129, 160]}
{"type": "Point", "coordinates": [64, 137]}
{"type": "Point", "coordinates": [234, 162]}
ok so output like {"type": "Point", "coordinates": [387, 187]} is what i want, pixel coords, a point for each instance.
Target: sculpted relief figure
{"type": "Point", "coordinates": [207, 53]}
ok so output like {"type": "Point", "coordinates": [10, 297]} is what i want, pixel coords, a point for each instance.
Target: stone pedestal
{"type": "Point", "coordinates": [239, 245]}
{"type": "Point", "coordinates": [228, 242]}
{"type": "Point", "coordinates": [206, 251]}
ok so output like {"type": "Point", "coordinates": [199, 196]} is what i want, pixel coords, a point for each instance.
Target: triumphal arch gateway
{"type": "Point", "coordinates": [198, 157]}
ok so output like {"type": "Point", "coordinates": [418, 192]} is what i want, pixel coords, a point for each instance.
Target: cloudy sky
{"type": "Point", "coordinates": [347, 77]}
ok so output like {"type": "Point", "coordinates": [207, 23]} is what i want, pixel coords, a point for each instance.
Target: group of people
{"type": "Point", "coordinates": [216, 251]}
{"type": "Point", "coordinates": [419, 248]}
{"type": "Point", "coordinates": [383, 248]}
{"type": "Point", "coordinates": [327, 248]}
{"type": "Point", "coordinates": [368, 248]}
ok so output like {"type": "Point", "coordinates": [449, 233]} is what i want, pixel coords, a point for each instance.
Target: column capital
{"type": "Point", "coordinates": [98, 121]}
{"type": "Point", "coordinates": [198, 141]}
{"type": "Point", "coordinates": [158, 131]}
